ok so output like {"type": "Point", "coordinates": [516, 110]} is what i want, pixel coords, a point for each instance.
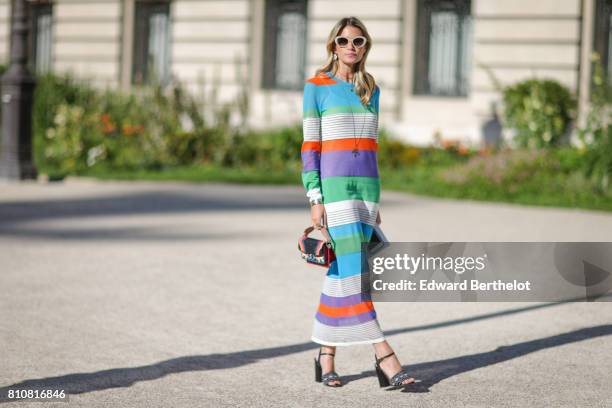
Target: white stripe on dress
{"type": "Point", "coordinates": [368, 332]}
{"type": "Point", "coordinates": [370, 206]}
{"type": "Point", "coordinates": [342, 287]}
{"type": "Point", "coordinates": [349, 211]}
{"type": "Point", "coordinates": [312, 129]}
{"type": "Point", "coordinates": [349, 217]}
{"type": "Point", "coordinates": [342, 125]}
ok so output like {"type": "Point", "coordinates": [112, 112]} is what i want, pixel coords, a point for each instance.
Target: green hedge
{"type": "Point", "coordinates": [596, 136]}
{"type": "Point", "coordinates": [78, 126]}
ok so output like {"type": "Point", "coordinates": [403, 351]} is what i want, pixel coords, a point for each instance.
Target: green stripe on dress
{"type": "Point", "coordinates": [352, 109]}
{"type": "Point", "coordinates": [341, 188]}
{"type": "Point", "coordinates": [311, 113]}
{"type": "Point", "coordinates": [311, 179]}
{"type": "Point", "coordinates": [348, 244]}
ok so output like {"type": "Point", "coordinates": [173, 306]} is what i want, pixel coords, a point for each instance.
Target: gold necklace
{"type": "Point", "coordinates": [356, 140]}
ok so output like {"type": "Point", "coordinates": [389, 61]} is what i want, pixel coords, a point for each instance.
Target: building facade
{"type": "Point", "coordinates": [433, 59]}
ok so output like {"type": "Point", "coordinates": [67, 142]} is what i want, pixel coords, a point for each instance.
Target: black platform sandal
{"type": "Point", "coordinates": [326, 378]}
{"type": "Point", "coordinates": [396, 380]}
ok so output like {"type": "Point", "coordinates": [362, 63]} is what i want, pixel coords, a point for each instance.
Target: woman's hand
{"type": "Point", "coordinates": [378, 217]}
{"type": "Point", "coordinates": [318, 215]}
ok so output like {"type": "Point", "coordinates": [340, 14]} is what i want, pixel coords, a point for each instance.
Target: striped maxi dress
{"type": "Point", "coordinates": [334, 123]}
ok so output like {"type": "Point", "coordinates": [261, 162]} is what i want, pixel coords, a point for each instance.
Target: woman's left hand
{"type": "Point", "coordinates": [378, 217]}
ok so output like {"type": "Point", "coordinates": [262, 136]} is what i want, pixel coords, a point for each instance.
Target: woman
{"type": "Point", "coordinates": [340, 174]}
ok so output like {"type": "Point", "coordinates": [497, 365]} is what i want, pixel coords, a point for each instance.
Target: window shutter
{"type": "Point", "coordinates": [443, 48]}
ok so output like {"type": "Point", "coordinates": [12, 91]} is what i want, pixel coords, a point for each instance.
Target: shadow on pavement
{"type": "Point", "coordinates": [14, 214]}
{"type": "Point", "coordinates": [429, 373]}
{"type": "Point", "coordinates": [149, 203]}
{"type": "Point", "coordinates": [140, 234]}
{"type": "Point", "coordinates": [433, 372]}
{"type": "Point", "coordinates": [165, 200]}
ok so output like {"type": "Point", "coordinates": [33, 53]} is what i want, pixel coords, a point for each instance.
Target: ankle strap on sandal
{"type": "Point", "coordinates": [379, 360]}
{"type": "Point", "coordinates": [325, 354]}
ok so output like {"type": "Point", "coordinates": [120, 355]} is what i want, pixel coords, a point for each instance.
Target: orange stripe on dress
{"type": "Point", "coordinates": [346, 311]}
{"type": "Point", "coordinates": [311, 146]}
{"type": "Point", "coordinates": [349, 144]}
{"type": "Point", "coordinates": [321, 79]}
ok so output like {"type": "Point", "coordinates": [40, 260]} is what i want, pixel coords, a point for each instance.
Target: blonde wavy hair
{"type": "Point", "coordinates": [364, 82]}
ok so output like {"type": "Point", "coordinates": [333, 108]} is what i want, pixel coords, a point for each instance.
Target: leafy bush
{"type": "Point", "coordinates": [78, 126]}
{"type": "Point", "coordinates": [596, 135]}
{"type": "Point", "coordinates": [280, 147]}
{"type": "Point", "coordinates": [540, 111]}
{"type": "Point", "coordinates": [393, 153]}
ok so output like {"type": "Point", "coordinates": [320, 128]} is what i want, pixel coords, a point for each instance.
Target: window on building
{"type": "Point", "coordinates": [40, 40]}
{"type": "Point", "coordinates": [285, 44]}
{"type": "Point", "coordinates": [602, 41]}
{"type": "Point", "coordinates": [151, 43]}
{"type": "Point", "coordinates": [443, 48]}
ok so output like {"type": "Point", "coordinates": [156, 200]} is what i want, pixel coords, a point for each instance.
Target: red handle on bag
{"type": "Point", "coordinates": [323, 248]}
{"type": "Point", "coordinates": [323, 230]}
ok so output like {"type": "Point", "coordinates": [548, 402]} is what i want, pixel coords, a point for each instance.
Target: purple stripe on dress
{"type": "Point", "coordinates": [346, 300]}
{"type": "Point", "coordinates": [310, 160]}
{"type": "Point", "coordinates": [343, 163]}
{"type": "Point", "coordinates": [346, 321]}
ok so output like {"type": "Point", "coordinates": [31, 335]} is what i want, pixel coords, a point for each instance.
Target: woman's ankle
{"type": "Point", "coordinates": [382, 349]}
{"type": "Point", "coordinates": [328, 349]}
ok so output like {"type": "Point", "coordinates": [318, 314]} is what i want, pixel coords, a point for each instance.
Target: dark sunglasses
{"type": "Point", "coordinates": [358, 41]}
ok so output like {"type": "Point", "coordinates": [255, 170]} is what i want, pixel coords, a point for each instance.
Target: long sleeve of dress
{"type": "Point", "coordinates": [376, 99]}
{"type": "Point", "coordinates": [311, 145]}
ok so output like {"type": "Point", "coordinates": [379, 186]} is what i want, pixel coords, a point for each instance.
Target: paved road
{"type": "Point", "coordinates": [177, 294]}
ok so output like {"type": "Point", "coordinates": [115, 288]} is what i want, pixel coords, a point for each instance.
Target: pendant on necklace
{"type": "Point", "coordinates": [355, 152]}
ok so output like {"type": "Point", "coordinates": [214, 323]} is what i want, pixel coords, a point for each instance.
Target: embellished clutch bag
{"type": "Point", "coordinates": [320, 252]}
{"type": "Point", "coordinates": [316, 251]}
